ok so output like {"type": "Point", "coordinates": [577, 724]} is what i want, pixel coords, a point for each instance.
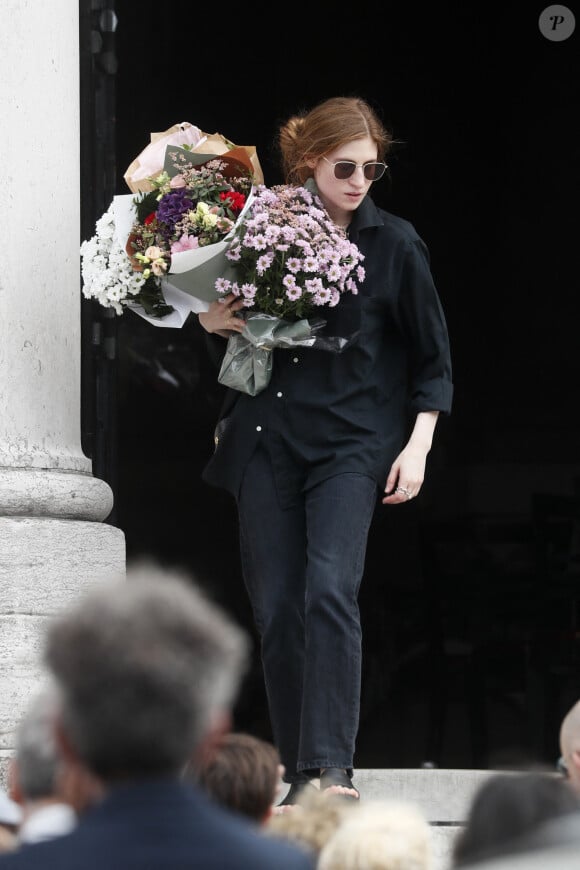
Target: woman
{"type": "Point", "coordinates": [306, 458]}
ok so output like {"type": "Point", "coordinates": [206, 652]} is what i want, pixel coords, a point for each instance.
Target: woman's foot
{"type": "Point", "coordinates": [295, 791]}
{"type": "Point", "coordinates": [336, 780]}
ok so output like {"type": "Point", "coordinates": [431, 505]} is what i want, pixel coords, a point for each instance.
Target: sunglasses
{"type": "Point", "coordinates": [345, 168]}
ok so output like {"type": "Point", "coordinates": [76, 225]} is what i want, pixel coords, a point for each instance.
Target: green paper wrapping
{"type": "Point", "coordinates": [247, 363]}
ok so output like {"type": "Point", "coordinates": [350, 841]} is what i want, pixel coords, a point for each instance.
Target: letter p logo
{"type": "Point", "coordinates": [557, 23]}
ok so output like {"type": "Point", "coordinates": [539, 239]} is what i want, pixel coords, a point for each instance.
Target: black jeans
{"type": "Point", "coordinates": [302, 568]}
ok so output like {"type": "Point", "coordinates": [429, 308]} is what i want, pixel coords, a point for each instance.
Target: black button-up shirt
{"type": "Point", "coordinates": [349, 411]}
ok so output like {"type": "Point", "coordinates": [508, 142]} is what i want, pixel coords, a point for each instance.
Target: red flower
{"type": "Point", "coordinates": [149, 219]}
{"type": "Point", "coordinates": [235, 200]}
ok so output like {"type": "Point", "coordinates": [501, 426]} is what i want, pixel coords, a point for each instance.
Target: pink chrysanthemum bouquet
{"type": "Point", "coordinates": [290, 261]}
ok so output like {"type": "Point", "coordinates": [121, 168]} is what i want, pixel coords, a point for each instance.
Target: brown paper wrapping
{"type": "Point", "coordinates": [215, 143]}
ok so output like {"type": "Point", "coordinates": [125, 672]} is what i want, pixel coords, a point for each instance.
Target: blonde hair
{"type": "Point", "coordinates": [381, 835]}
{"type": "Point", "coordinates": [312, 822]}
{"type": "Point", "coordinates": [330, 124]}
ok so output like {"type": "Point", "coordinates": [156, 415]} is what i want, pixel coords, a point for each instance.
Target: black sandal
{"type": "Point", "coordinates": [338, 776]}
{"type": "Point", "coordinates": [295, 791]}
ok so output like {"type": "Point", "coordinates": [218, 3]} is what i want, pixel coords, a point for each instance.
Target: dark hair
{"type": "Point", "coordinates": [142, 666]}
{"type": "Point", "coordinates": [242, 774]}
{"type": "Point", "coordinates": [506, 809]}
{"type": "Point", "coordinates": [330, 124]}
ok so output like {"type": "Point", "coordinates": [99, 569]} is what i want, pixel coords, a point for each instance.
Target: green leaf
{"type": "Point", "coordinates": [152, 299]}
{"type": "Point", "coordinates": [146, 205]}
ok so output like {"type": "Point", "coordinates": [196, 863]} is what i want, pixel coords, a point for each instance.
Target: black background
{"type": "Point", "coordinates": [470, 655]}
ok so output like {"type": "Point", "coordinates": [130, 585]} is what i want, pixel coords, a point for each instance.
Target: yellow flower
{"type": "Point", "coordinates": [209, 221]}
{"type": "Point", "coordinates": [205, 217]}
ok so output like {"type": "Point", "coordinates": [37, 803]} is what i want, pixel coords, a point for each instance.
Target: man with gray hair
{"type": "Point", "coordinates": [35, 773]}
{"type": "Point", "coordinates": [147, 672]}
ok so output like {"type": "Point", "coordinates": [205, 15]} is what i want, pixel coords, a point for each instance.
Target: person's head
{"type": "Point", "coordinates": [570, 746]}
{"type": "Point", "coordinates": [34, 773]}
{"type": "Point", "coordinates": [146, 669]}
{"type": "Point", "coordinates": [241, 772]}
{"type": "Point", "coordinates": [325, 142]}
{"type": "Point", "coordinates": [507, 809]}
{"type": "Point", "coordinates": [39, 773]}
{"type": "Point", "coordinates": [380, 835]}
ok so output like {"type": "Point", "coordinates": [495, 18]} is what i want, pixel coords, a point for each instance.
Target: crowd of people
{"type": "Point", "coordinates": [126, 757]}
{"type": "Point", "coordinates": [143, 676]}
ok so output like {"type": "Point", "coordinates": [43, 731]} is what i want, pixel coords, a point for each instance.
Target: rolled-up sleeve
{"type": "Point", "coordinates": [423, 321]}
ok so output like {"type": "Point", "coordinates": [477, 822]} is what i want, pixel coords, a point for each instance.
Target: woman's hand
{"type": "Point", "coordinates": [406, 476]}
{"type": "Point", "coordinates": [408, 470]}
{"type": "Point", "coordinates": [220, 317]}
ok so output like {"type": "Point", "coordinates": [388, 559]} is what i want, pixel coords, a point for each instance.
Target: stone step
{"type": "Point", "coordinates": [443, 795]}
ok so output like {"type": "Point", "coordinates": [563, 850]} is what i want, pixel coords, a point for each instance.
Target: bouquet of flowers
{"type": "Point", "coordinates": [157, 253]}
{"type": "Point", "coordinates": [151, 160]}
{"type": "Point", "coordinates": [291, 261]}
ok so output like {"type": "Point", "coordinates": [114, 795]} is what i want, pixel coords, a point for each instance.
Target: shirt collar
{"type": "Point", "coordinates": [366, 216]}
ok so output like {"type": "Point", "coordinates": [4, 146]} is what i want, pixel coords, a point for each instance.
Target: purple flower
{"type": "Point", "coordinates": [222, 285]}
{"type": "Point", "coordinates": [264, 262]}
{"type": "Point", "coordinates": [173, 205]}
{"type": "Point", "coordinates": [248, 291]}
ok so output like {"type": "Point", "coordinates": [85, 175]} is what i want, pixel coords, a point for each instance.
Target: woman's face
{"type": "Point", "coordinates": [342, 196]}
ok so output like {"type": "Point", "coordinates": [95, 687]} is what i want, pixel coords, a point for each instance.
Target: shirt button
{"type": "Point", "coordinates": [258, 428]}
{"type": "Point", "coordinates": [295, 359]}
{"type": "Point", "coordinates": [279, 394]}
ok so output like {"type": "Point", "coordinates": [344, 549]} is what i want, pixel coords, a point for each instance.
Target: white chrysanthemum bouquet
{"type": "Point", "coordinates": [106, 270]}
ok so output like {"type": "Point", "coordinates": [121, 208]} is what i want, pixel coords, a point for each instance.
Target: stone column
{"type": "Point", "coordinates": [53, 542]}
